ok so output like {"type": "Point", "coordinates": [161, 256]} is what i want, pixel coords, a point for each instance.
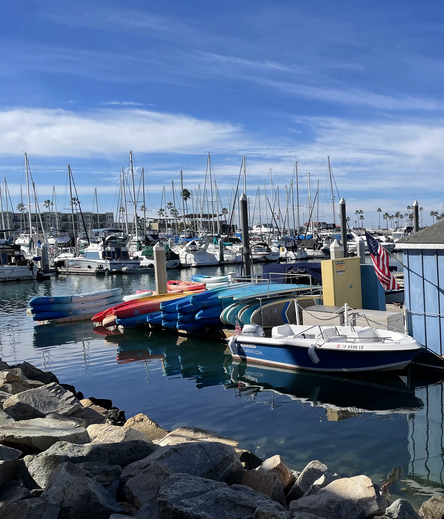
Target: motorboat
{"type": "Point", "coordinates": [13, 264]}
{"type": "Point", "coordinates": [195, 254]}
{"type": "Point", "coordinates": [325, 348]}
{"type": "Point", "coordinates": [106, 253]}
{"type": "Point", "coordinates": [261, 252]}
{"type": "Point", "coordinates": [146, 257]}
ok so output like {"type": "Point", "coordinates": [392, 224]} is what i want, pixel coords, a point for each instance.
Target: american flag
{"type": "Point", "coordinates": [237, 328]}
{"type": "Point", "coordinates": [381, 263]}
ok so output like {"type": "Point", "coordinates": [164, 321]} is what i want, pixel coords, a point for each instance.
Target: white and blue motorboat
{"type": "Point", "coordinates": [325, 348]}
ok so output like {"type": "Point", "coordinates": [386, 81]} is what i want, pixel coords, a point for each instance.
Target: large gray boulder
{"type": "Point", "coordinates": [33, 373]}
{"type": "Point", "coordinates": [106, 475]}
{"type": "Point", "coordinates": [13, 381]}
{"type": "Point", "coordinates": [311, 473]}
{"type": "Point", "coordinates": [277, 465]}
{"type": "Point", "coordinates": [35, 403]}
{"type": "Point", "coordinates": [194, 434]}
{"type": "Point", "coordinates": [269, 512]}
{"type": "Point", "coordinates": [144, 487]}
{"type": "Point", "coordinates": [40, 466]}
{"type": "Point", "coordinates": [78, 494]}
{"type": "Point", "coordinates": [5, 419]}
{"type": "Point", "coordinates": [433, 508]}
{"type": "Point", "coordinates": [106, 433]}
{"type": "Point", "coordinates": [3, 365]}
{"type": "Point", "coordinates": [3, 396]}
{"type": "Point", "coordinates": [11, 492]}
{"type": "Point", "coordinates": [400, 509]}
{"type": "Point", "coordinates": [265, 482]}
{"type": "Point", "coordinates": [40, 433]}
{"type": "Point", "coordinates": [9, 464]}
{"type": "Point", "coordinates": [31, 509]}
{"type": "Point", "coordinates": [346, 498]}
{"type": "Point", "coordinates": [191, 497]}
{"type": "Point", "coordinates": [146, 426]}
{"type": "Point", "coordinates": [210, 460]}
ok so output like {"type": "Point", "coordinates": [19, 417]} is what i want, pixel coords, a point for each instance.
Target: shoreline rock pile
{"type": "Point", "coordinates": [66, 457]}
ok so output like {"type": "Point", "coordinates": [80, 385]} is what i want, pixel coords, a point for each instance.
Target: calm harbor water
{"type": "Point", "coordinates": [354, 425]}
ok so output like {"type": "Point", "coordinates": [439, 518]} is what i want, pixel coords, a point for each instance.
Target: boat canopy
{"type": "Point", "coordinates": [278, 272]}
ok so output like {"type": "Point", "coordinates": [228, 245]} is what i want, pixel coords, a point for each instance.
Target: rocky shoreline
{"type": "Point", "coordinates": [64, 456]}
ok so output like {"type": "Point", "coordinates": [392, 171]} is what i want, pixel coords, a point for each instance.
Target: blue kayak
{"type": "Point", "coordinates": [171, 325]}
{"type": "Point", "coordinates": [186, 318]}
{"type": "Point", "coordinates": [170, 306]}
{"type": "Point", "coordinates": [154, 318]}
{"type": "Point", "coordinates": [169, 316]}
{"type": "Point", "coordinates": [131, 322]}
{"type": "Point", "coordinates": [81, 298]}
{"type": "Point", "coordinates": [209, 313]}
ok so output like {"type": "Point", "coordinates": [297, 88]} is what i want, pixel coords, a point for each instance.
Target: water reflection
{"type": "Point", "coordinates": [342, 397]}
{"type": "Point", "coordinates": [203, 360]}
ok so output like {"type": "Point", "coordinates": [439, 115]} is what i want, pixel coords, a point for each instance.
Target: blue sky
{"type": "Point", "coordinates": [85, 82]}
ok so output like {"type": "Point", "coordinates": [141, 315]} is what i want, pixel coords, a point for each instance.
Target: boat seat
{"type": "Point", "coordinates": [366, 334]}
{"type": "Point", "coordinates": [329, 332]}
{"type": "Point", "coordinates": [284, 330]}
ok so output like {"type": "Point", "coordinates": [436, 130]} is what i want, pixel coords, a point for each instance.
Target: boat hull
{"type": "Point", "coordinates": [292, 356]}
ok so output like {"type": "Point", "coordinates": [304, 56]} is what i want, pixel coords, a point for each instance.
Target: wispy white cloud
{"type": "Point", "coordinates": [122, 103]}
{"type": "Point", "coordinates": [57, 133]}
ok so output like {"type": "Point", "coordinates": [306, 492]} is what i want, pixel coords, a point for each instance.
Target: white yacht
{"type": "Point", "coordinates": [107, 253]}
{"type": "Point", "coordinates": [289, 249]}
{"type": "Point", "coordinates": [261, 252]}
{"type": "Point", "coordinates": [13, 265]}
{"type": "Point", "coordinates": [195, 254]}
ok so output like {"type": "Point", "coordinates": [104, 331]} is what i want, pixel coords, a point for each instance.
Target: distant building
{"type": "Point", "coordinates": [63, 222]}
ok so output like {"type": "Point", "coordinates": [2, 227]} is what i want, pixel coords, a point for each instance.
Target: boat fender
{"type": "Point", "coordinates": [313, 355]}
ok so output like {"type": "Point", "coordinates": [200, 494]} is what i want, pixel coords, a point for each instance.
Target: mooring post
{"type": "Point", "coordinates": [245, 236]}
{"type": "Point", "coordinates": [343, 215]}
{"type": "Point", "coordinates": [415, 216]}
{"type": "Point", "coordinates": [160, 269]}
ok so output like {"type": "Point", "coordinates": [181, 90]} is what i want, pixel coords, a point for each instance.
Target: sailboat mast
{"type": "Point", "coordinates": [309, 200]}
{"type": "Point", "coordinates": [297, 198]}
{"type": "Point", "coordinates": [124, 201]}
{"type": "Point", "coordinates": [3, 216]}
{"type": "Point", "coordinates": [332, 192]}
{"type": "Point", "coordinates": [183, 202]}
{"type": "Point", "coordinates": [29, 195]}
{"type": "Point", "coordinates": [134, 195]}
{"type": "Point", "coordinates": [54, 200]}
{"type": "Point", "coordinates": [72, 206]}
{"type": "Point", "coordinates": [174, 206]}
{"type": "Point", "coordinates": [144, 204]}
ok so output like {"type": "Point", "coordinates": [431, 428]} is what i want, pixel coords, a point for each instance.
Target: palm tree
{"type": "Point", "coordinates": [161, 213]}
{"type": "Point", "coordinates": [360, 215]}
{"type": "Point", "coordinates": [47, 204]}
{"type": "Point", "coordinates": [185, 194]}
{"type": "Point", "coordinates": [433, 214]}
{"type": "Point", "coordinates": [379, 211]}
{"type": "Point", "coordinates": [386, 217]}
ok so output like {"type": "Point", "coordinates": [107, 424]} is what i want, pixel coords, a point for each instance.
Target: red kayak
{"type": "Point", "coordinates": [185, 285]}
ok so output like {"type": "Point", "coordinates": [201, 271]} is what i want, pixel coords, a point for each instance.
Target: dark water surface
{"type": "Point", "coordinates": [365, 425]}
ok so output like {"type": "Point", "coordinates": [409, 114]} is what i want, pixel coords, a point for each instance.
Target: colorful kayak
{"type": "Point", "coordinates": [154, 318]}
{"type": "Point", "coordinates": [49, 315]}
{"type": "Point", "coordinates": [131, 322]}
{"type": "Point", "coordinates": [81, 298]}
{"type": "Point", "coordinates": [60, 307]}
{"type": "Point", "coordinates": [185, 285]}
{"type": "Point", "coordinates": [209, 313]}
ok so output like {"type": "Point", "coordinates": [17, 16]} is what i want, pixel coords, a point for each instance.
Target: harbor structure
{"type": "Point", "coordinates": [423, 260]}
